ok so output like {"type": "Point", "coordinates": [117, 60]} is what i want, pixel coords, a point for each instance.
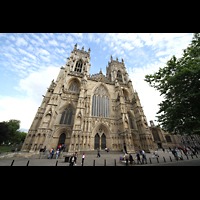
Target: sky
{"type": "Point", "coordinates": [30, 61]}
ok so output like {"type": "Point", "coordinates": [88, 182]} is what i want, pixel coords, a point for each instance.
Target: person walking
{"type": "Point", "coordinates": [75, 157]}
{"type": "Point", "coordinates": [98, 154]}
{"type": "Point", "coordinates": [52, 153]}
{"type": "Point", "coordinates": [57, 153]}
{"type": "Point", "coordinates": [131, 159]}
{"type": "Point", "coordinates": [138, 157]}
{"type": "Point", "coordinates": [44, 150]}
{"type": "Point", "coordinates": [83, 157]}
{"type": "Point", "coordinates": [144, 157]}
{"type": "Point", "coordinates": [71, 162]}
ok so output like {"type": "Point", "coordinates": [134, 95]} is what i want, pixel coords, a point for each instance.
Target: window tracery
{"type": "Point", "coordinates": [100, 102]}
{"type": "Point", "coordinates": [66, 116]}
{"type": "Point", "coordinates": [74, 86]}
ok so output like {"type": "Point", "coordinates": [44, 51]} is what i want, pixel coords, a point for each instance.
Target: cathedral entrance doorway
{"type": "Point", "coordinates": [61, 139]}
{"type": "Point", "coordinates": [103, 141]}
{"type": "Point", "coordinates": [100, 142]}
{"type": "Point", "coordinates": [96, 141]}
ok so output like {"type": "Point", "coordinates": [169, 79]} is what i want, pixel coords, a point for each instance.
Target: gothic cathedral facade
{"type": "Point", "coordinates": [86, 112]}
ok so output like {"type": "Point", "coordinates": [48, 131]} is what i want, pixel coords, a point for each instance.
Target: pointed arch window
{"type": "Point", "coordinates": [119, 76]}
{"type": "Point", "coordinates": [130, 122]}
{"type": "Point", "coordinates": [100, 103]}
{"type": "Point", "coordinates": [74, 86]}
{"type": "Point", "coordinates": [66, 116]}
{"type": "Point", "coordinates": [78, 67]}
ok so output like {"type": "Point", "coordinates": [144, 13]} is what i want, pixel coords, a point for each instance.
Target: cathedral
{"type": "Point", "coordinates": [86, 112]}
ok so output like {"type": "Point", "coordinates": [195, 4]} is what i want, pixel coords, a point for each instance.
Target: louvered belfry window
{"type": "Point", "coordinates": [100, 103]}
{"type": "Point", "coordinates": [78, 67]}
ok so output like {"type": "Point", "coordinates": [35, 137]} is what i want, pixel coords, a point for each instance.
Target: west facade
{"type": "Point", "coordinates": [86, 112]}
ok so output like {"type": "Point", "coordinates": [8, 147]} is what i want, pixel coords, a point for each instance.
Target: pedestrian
{"type": "Point", "coordinates": [52, 153]}
{"type": "Point", "coordinates": [98, 154]}
{"type": "Point", "coordinates": [44, 150]}
{"type": "Point", "coordinates": [57, 153]}
{"type": "Point", "coordinates": [126, 158]}
{"type": "Point", "coordinates": [131, 159]}
{"type": "Point", "coordinates": [138, 157]}
{"type": "Point", "coordinates": [144, 157]}
{"type": "Point", "coordinates": [71, 162]}
{"type": "Point", "coordinates": [83, 157]}
{"type": "Point", "coordinates": [75, 157]}
{"type": "Point", "coordinates": [64, 147]}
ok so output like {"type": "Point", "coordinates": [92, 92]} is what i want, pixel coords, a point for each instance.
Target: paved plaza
{"type": "Point", "coordinates": [107, 159]}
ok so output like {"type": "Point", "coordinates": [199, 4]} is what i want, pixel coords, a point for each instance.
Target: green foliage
{"type": "Point", "coordinates": [179, 83]}
{"type": "Point", "coordinates": [11, 134]}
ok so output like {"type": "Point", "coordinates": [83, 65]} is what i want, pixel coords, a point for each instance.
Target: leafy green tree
{"type": "Point", "coordinates": [179, 83]}
{"type": "Point", "coordinates": [3, 132]}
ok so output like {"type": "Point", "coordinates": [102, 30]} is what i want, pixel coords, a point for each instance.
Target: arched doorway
{"type": "Point", "coordinates": [103, 141]}
{"type": "Point", "coordinates": [96, 141]}
{"type": "Point", "coordinates": [62, 139]}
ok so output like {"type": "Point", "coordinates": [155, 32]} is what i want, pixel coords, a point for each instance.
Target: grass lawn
{"type": "Point", "coordinates": [8, 148]}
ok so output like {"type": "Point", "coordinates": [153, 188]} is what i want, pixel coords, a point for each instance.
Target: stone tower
{"type": "Point", "coordinates": [86, 112]}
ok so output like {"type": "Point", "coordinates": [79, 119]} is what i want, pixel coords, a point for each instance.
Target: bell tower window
{"type": "Point", "coordinates": [78, 67]}
{"type": "Point", "coordinates": [119, 76]}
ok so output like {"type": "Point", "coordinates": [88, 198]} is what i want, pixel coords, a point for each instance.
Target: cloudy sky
{"type": "Point", "coordinates": [30, 61]}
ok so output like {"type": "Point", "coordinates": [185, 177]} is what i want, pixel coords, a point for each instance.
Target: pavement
{"type": "Point", "coordinates": [108, 159]}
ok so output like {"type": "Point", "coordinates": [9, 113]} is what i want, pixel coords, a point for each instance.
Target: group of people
{"type": "Point", "coordinates": [74, 157]}
{"type": "Point", "coordinates": [129, 157]}
{"type": "Point", "coordinates": [52, 151]}
{"type": "Point", "coordinates": [189, 150]}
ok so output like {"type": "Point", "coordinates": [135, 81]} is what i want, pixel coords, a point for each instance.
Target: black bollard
{"type": "Point", "coordinates": [105, 162]}
{"type": "Point", "coordinates": [192, 156]}
{"type": "Point", "coordinates": [56, 162]}
{"type": "Point", "coordinates": [164, 159]}
{"type": "Point", "coordinates": [94, 163]}
{"type": "Point", "coordinates": [115, 161]}
{"type": "Point", "coordinates": [27, 163]}
{"type": "Point", "coordinates": [12, 163]}
{"type": "Point", "coordinates": [196, 155]}
{"type": "Point", "coordinates": [170, 158]}
{"type": "Point", "coordinates": [150, 160]}
{"type": "Point", "coordinates": [157, 160]}
{"type": "Point", "coordinates": [187, 157]}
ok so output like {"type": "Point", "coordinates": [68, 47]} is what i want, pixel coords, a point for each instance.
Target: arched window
{"type": "Point", "coordinates": [125, 95]}
{"type": "Point", "coordinates": [155, 135]}
{"type": "Point", "coordinates": [100, 103]}
{"type": "Point", "coordinates": [119, 76]}
{"type": "Point", "coordinates": [66, 116]}
{"type": "Point", "coordinates": [78, 67]}
{"type": "Point", "coordinates": [74, 86]}
{"type": "Point", "coordinates": [130, 122]}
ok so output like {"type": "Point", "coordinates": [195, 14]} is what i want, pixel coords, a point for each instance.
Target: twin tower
{"type": "Point", "coordinates": [86, 112]}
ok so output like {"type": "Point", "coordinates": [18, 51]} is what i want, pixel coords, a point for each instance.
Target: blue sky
{"type": "Point", "coordinates": [30, 61]}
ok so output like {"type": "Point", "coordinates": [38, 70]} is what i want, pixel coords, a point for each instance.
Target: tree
{"type": "Point", "coordinates": [179, 83]}
{"type": "Point", "coordinates": [3, 132]}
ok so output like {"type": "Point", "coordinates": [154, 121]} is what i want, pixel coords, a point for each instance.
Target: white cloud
{"type": "Point", "coordinates": [53, 42]}
{"type": "Point", "coordinates": [26, 53]}
{"type": "Point", "coordinates": [36, 83]}
{"type": "Point", "coordinates": [42, 51]}
{"type": "Point", "coordinates": [60, 50]}
{"type": "Point", "coordinates": [127, 46]}
{"type": "Point", "coordinates": [21, 41]}
{"type": "Point", "coordinates": [21, 109]}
